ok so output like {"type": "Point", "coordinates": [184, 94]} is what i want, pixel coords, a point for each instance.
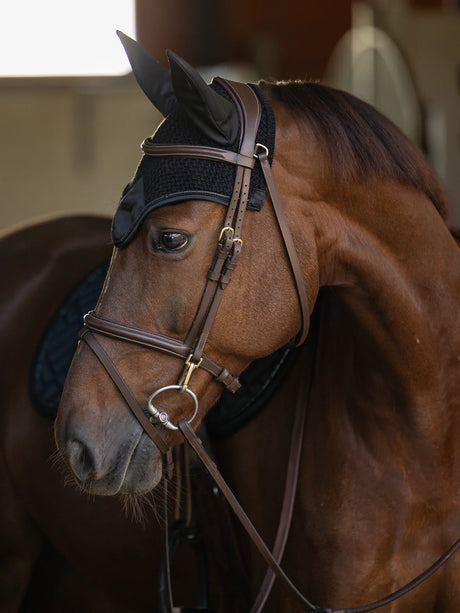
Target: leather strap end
{"type": "Point", "coordinates": [168, 465]}
{"type": "Point", "coordinates": [230, 382]}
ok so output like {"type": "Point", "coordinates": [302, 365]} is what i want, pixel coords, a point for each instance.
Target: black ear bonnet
{"type": "Point", "coordinates": [159, 181]}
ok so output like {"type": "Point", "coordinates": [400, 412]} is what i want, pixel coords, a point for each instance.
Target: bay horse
{"type": "Point", "coordinates": [62, 551]}
{"type": "Point", "coordinates": [345, 231]}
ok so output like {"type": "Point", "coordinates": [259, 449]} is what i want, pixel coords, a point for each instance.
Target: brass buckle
{"type": "Point", "coordinates": [189, 368]}
{"type": "Point", "coordinates": [259, 145]}
{"type": "Point", "coordinates": [224, 230]}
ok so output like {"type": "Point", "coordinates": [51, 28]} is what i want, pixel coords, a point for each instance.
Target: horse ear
{"type": "Point", "coordinates": [154, 80]}
{"type": "Point", "coordinates": [215, 116]}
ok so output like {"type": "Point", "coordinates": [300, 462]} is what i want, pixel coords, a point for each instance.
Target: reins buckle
{"type": "Point", "coordinates": [190, 367]}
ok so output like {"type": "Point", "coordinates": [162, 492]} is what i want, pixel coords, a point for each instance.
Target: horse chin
{"type": "Point", "coordinates": [143, 472]}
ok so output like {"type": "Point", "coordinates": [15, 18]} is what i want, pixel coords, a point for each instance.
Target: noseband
{"type": "Point", "coordinates": [226, 258]}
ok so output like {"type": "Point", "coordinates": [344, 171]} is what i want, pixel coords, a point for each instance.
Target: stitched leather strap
{"type": "Point", "coordinates": [165, 344]}
{"type": "Point", "coordinates": [211, 467]}
{"type": "Point", "coordinates": [290, 490]}
{"type": "Point", "coordinates": [406, 588]}
{"type": "Point", "coordinates": [262, 154]}
{"type": "Point", "coordinates": [220, 274]}
{"type": "Point", "coordinates": [124, 390]}
{"type": "Point", "coordinates": [194, 151]}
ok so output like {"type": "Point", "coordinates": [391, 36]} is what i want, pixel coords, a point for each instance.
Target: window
{"type": "Point", "coordinates": [64, 37]}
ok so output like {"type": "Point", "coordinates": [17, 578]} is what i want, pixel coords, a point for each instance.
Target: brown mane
{"type": "Point", "coordinates": [360, 142]}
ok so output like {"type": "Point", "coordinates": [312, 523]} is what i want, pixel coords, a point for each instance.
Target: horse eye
{"type": "Point", "coordinates": [173, 241]}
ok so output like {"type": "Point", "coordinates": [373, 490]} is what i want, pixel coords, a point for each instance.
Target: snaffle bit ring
{"type": "Point", "coordinates": [162, 416]}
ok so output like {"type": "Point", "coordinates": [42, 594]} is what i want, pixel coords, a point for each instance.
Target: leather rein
{"type": "Point", "coordinates": [192, 349]}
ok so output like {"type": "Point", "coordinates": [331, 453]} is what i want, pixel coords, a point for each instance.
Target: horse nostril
{"type": "Point", "coordinates": [81, 460]}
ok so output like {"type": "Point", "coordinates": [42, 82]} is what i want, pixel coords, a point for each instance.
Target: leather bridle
{"type": "Point", "coordinates": [191, 350]}
{"type": "Point", "coordinates": [226, 258]}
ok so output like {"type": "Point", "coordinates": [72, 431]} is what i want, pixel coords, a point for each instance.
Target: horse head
{"type": "Point", "coordinates": [178, 235]}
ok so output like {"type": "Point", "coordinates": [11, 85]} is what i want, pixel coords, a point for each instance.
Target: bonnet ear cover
{"type": "Point", "coordinates": [198, 115]}
{"type": "Point", "coordinates": [153, 79]}
{"type": "Point", "coordinates": [213, 115]}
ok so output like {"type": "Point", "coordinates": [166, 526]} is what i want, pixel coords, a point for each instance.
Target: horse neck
{"type": "Point", "coordinates": [393, 269]}
{"type": "Point", "coordinates": [382, 345]}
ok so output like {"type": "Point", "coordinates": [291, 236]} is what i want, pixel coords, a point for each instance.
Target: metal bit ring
{"type": "Point", "coordinates": [161, 416]}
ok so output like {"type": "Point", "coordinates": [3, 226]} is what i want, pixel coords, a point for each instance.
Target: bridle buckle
{"type": "Point", "coordinates": [189, 369]}
{"type": "Point", "coordinates": [224, 230]}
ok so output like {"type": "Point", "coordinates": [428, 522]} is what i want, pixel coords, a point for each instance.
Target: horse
{"type": "Point", "coordinates": [62, 550]}
{"type": "Point", "coordinates": [273, 220]}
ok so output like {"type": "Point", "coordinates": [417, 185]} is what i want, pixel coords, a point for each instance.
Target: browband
{"type": "Point", "coordinates": [194, 151]}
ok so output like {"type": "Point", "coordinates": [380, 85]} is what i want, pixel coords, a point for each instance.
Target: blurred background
{"type": "Point", "coordinates": [72, 117]}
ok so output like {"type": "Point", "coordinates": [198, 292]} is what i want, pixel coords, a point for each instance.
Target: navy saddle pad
{"type": "Point", "coordinates": [59, 342]}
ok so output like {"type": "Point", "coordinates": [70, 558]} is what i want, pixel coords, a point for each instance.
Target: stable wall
{"type": "Point", "coordinates": [430, 42]}
{"type": "Point", "coordinates": [68, 145]}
